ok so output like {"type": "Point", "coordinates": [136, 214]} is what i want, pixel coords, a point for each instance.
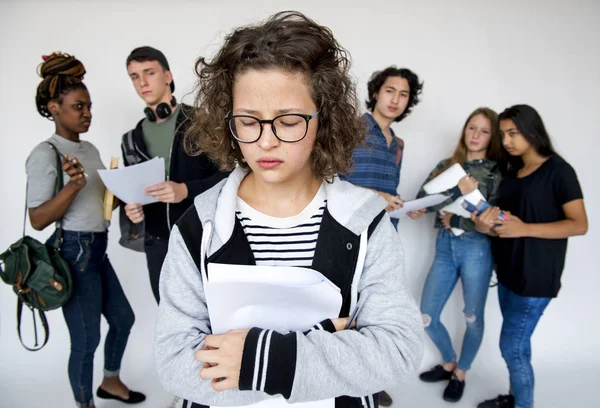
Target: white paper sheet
{"type": "Point", "coordinates": [447, 179]}
{"type": "Point", "coordinates": [128, 183]}
{"type": "Point", "coordinates": [419, 203]}
{"type": "Point", "coordinates": [270, 297]}
{"type": "Point", "coordinates": [279, 298]}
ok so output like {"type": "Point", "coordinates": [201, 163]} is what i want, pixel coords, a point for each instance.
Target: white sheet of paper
{"type": "Point", "coordinates": [447, 179]}
{"type": "Point", "coordinates": [128, 183]}
{"type": "Point", "coordinates": [277, 275]}
{"type": "Point", "coordinates": [413, 205]}
{"type": "Point", "coordinates": [280, 402]}
{"type": "Point", "coordinates": [270, 297]}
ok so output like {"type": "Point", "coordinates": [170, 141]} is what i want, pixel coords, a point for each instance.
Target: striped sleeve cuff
{"type": "Point", "coordinates": [268, 362]}
{"type": "Point", "coordinates": [326, 325]}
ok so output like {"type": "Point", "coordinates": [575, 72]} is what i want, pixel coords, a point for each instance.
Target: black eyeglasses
{"type": "Point", "coordinates": [290, 127]}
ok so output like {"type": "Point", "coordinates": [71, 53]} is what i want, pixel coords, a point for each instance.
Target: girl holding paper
{"type": "Point", "coordinates": [276, 105]}
{"type": "Point", "coordinates": [467, 256]}
{"type": "Point", "coordinates": [542, 195]}
{"type": "Point", "coordinates": [63, 98]}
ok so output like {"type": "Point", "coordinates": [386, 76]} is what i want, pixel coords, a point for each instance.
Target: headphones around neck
{"type": "Point", "coordinates": [163, 110]}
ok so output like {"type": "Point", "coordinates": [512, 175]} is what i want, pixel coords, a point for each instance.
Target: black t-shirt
{"type": "Point", "coordinates": [533, 266]}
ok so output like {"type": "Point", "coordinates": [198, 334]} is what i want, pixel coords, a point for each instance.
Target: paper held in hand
{"type": "Point", "coordinates": [270, 297]}
{"type": "Point", "coordinates": [418, 204]}
{"type": "Point", "coordinates": [129, 183]}
{"type": "Point", "coordinates": [448, 179]}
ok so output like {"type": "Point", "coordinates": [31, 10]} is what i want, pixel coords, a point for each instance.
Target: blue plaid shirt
{"type": "Point", "coordinates": [376, 166]}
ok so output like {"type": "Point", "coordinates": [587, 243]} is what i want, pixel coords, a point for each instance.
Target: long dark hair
{"type": "Point", "coordinates": [530, 125]}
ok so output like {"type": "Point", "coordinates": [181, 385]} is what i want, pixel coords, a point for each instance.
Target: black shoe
{"type": "Point", "coordinates": [501, 401]}
{"type": "Point", "coordinates": [384, 399]}
{"type": "Point", "coordinates": [454, 390]}
{"type": "Point", "coordinates": [134, 396]}
{"type": "Point", "coordinates": [436, 374]}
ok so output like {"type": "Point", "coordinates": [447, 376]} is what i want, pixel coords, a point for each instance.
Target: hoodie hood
{"type": "Point", "coordinates": [344, 202]}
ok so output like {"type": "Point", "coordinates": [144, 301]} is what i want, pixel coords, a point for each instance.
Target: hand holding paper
{"type": "Point", "coordinates": [448, 179]}
{"type": "Point", "coordinates": [269, 297]}
{"type": "Point", "coordinates": [168, 192]}
{"type": "Point", "coordinates": [129, 183]}
{"type": "Point", "coordinates": [418, 204]}
{"type": "Point", "coordinates": [222, 355]}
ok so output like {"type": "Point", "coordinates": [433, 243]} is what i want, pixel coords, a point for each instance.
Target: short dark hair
{"type": "Point", "coordinates": [378, 79]}
{"type": "Point", "coordinates": [146, 53]}
{"type": "Point", "coordinates": [292, 42]}
{"type": "Point", "coordinates": [61, 74]}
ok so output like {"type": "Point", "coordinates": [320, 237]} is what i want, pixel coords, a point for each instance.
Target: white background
{"type": "Point", "coordinates": [469, 53]}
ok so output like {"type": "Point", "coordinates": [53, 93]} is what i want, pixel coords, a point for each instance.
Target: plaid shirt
{"type": "Point", "coordinates": [376, 166]}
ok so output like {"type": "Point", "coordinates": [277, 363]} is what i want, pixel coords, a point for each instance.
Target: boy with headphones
{"type": "Point", "coordinates": [160, 134]}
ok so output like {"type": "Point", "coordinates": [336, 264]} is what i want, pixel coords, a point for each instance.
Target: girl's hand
{"type": "Point", "coordinates": [511, 228]}
{"type": "Point", "coordinates": [485, 222]}
{"type": "Point", "coordinates": [445, 217]}
{"type": "Point", "coordinates": [467, 184]}
{"type": "Point", "coordinates": [75, 171]}
{"type": "Point", "coordinates": [222, 358]}
{"type": "Point", "coordinates": [417, 214]}
{"type": "Point", "coordinates": [341, 322]}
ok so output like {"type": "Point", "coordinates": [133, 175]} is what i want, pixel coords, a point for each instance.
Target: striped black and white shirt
{"type": "Point", "coordinates": [289, 241]}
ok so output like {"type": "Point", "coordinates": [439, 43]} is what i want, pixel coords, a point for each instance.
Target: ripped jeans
{"type": "Point", "coordinates": [96, 292]}
{"type": "Point", "coordinates": [469, 258]}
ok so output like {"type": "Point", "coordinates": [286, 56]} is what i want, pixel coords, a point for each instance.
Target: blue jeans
{"type": "Point", "coordinates": [96, 291]}
{"type": "Point", "coordinates": [520, 316]}
{"type": "Point", "coordinates": [469, 258]}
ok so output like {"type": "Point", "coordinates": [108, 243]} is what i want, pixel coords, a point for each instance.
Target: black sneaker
{"type": "Point", "coordinates": [501, 401]}
{"type": "Point", "coordinates": [454, 390]}
{"type": "Point", "coordinates": [436, 374]}
{"type": "Point", "coordinates": [384, 399]}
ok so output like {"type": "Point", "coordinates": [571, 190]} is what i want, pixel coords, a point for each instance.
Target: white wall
{"type": "Point", "coordinates": [469, 53]}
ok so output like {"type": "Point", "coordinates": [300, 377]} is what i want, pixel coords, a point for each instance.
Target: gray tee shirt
{"type": "Point", "coordinates": [86, 211]}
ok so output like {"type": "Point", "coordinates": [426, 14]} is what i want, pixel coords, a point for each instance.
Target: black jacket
{"type": "Point", "coordinates": [198, 173]}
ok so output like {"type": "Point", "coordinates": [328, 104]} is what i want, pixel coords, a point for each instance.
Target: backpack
{"type": "Point", "coordinates": [40, 277]}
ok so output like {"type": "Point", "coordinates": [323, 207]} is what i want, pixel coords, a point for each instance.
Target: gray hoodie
{"type": "Point", "coordinates": [383, 351]}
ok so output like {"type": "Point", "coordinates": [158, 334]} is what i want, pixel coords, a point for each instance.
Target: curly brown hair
{"type": "Point", "coordinates": [291, 41]}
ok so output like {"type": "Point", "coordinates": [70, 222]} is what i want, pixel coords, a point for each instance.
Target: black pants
{"type": "Point", "coordinates": [156, 251]}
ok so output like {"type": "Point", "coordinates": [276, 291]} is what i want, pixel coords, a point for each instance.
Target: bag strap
{"type": "Point", "coordinates": [58, 185]}
{"type": "Point", "coordinates": [44, 324]}
{"type": "Point", "coordinates": [131, 156]}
